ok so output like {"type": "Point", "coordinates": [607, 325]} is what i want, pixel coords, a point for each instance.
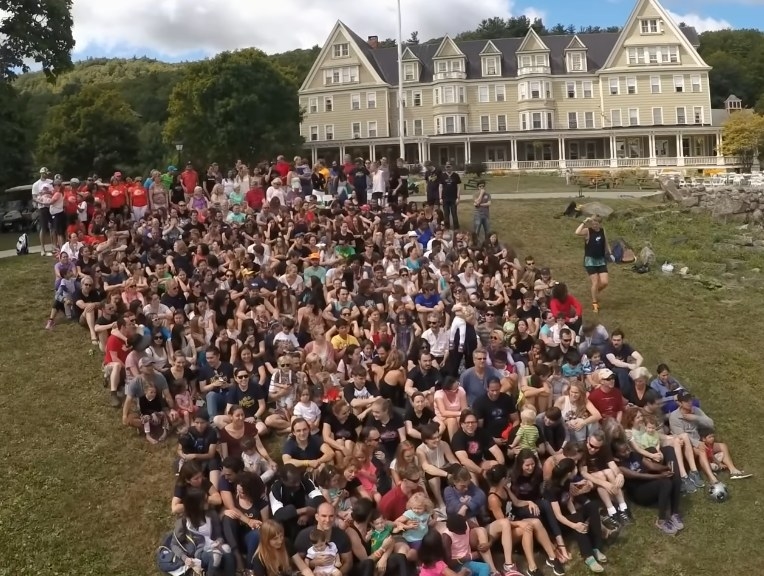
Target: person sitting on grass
{"type": "Point", "coordinates": [64, 299]}
{"type": "Point", "coordinates": [716, 457]}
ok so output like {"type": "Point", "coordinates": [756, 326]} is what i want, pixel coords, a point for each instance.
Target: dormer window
{"type": "Point", "coordinates": [650, 26]}
{"type": "Point", "coordinates": [491, 66]}
{"type": "Point", "coordinates": [342, 50]}
{"type": "Point", "coordinates": [576, 62]}
{"type": "Point", "coordinates": [410, 72]}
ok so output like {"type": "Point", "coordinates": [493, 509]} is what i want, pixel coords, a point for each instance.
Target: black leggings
{"type": "Point", "coordinates": [547, 517]}
{"type": "Point", "coordinates": [589, 512]}
{"type": "Point", "coordinates": [396, 564]}
{"type": "Point", "coordinates": [665, 492]}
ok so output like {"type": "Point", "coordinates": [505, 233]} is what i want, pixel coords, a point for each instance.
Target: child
{"type": "Point", "coordinates": [527, 434]}
{"type": "Point", "coordinates": [379, 535]}
{"type": "Point", "coordinates": [322, 547]}
{"type": "Point", "coordinates": [307, 409]}
{"type": "Point", "coordinates": [64, 299]}
{"type": "Point", "coordinates": [366, 471]}
{"type": "Point", "coordinates": [333, 483]}
{"type": "Point", "coordinates": [415, 522]}
{"type": "Point", "coordinates": [184, 402]}
{"type": "Point", "coordinates": [648, 437]}
{"type": "Point", "coordinates": [152, 413]}
{"type": "Point", "coordinates": [459, 542]}
{"type": "Point", "coordinates": [572, 368]}
{"type": "Point", "coordinates": [718, 457]}
{"type": "Point", "coordinates": [254, 460]}
{"type": "Point", "coordinates": [432, 557]}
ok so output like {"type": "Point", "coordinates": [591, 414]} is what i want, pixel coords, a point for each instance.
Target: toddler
{"type": "Point", "coordinates": [254, 461]}
{"type": "Point", "coordinates": [380, 533]}
{"type": "Point", "coordinates": [415, 522]}
{"type": "Point", "coordinates": [184, 403]}
{"type": "Point", "coordinates": [307, 409]}
{"type": "Point", "coordinates": [527, 434]}
{"type": "Point", "coordinates": [64, 298]}
{"type": "Point", "coordinates": [332, 483]}
{"type": "Point", "coordinates": [152, 413]}
{"type": "Point", "coordinates": [322, 547]}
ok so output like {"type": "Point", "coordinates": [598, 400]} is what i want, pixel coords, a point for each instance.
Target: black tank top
{"type": "Point", "coordinates": [366, 545]}
{"type": "Point", "coordinates": [594, 246]}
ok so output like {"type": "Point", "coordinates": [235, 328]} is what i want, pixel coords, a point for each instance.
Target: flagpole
{"type": "Point", "coordinates": [400, 84]}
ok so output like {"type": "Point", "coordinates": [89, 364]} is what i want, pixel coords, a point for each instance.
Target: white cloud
{"type": "Point", "coordinates": [533, 13]}
{"type": "Point", "coordinates": [700, 23]}
{"type": "Point", "coordinates": [181, 27]}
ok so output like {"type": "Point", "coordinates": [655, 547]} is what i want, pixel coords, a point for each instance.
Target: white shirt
{"type": "Point", "coordinates": [37, 189]}
{"type": "Point", "coordinates": [439, 343]}
{"type": "Point", "coordinates": [378, 183]}
{"type": "Point", "coordinates": [311, 412]}
{"type": "Point", "coordinates": [275, 193]}
{"type": "Point", "coordinates": [72, 249]}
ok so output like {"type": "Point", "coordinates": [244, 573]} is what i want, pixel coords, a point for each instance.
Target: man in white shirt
{"type": "Point", "coordinates": [438, 338]}
{"type": "Point", "coordinates": [44, 184]}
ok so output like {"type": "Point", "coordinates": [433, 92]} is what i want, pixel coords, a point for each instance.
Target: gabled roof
{"type": "Point", "coordinates": [489, 49]}
{"type": "Point", "coordinates": [598, 48]}
{"type": "Point", "coordinates": [575, 44]}
{"type": "Point", "coordinates": [668, 22]}
{"type": "Point", "coordinates": [408, 55]}
{"type": "Point", "coordinates": [532, 43]}
{"type": "Point", "coordinates": [448, 49]}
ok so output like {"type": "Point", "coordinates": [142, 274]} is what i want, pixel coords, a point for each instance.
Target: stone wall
{"type": "Point", "coordinates": [727, 204]}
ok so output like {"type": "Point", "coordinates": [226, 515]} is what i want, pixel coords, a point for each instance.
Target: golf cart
{"type": "Point", "coordinates": [17, 213]}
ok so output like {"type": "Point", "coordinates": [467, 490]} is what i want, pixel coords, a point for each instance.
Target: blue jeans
{"type": "Point", "coordinates": [227, 565]}
{"type": "Point", "coordinates": [215, 404]}
{"type": "Point", "coordinates": [478, 223]}
{"type": "Point", "coordinates": [251, 541]}
{"type": "Point", "coordinates": [475, 568]}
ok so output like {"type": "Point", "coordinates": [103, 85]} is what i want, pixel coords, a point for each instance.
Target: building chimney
{"type": "Point", "coordinates": [373, 41]}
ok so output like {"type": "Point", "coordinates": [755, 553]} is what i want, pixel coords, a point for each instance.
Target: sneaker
{"type": "Point", "coordinates": [439, 513]}
{"type": "Point", "coordinates": [593, 565]}
{"type": "Point", "coordinates": [622, 518]}
{"type": "Point", "coordinates": [688, 486]}
{"type": "Point", "coordinates": [49, 325]}
{"type": "Point", "coordinates": [42, 253]}
{"type": "Point", "coordinates": [676, 522]}
{"type": "Point", "coordinates": [740, 475]}
{"type": "Point", "coordinates": [511, 570]}
{"type": "Point", "coordinates": [666, 527]}
{"type": "Point", "coordinates": [599, 556]}
{"type": "Point", "coordinates": [696, 479]}
{"type": "Point", "coordinates": [556, 566]}
{"type": "Point", "coordinates": [611, 522]}
{"type": "Point", "coordinates": [596, 306]}
{"type": "Point", "coordinates": [627, 515]}
{"type": "Point", "coordinates": [536, 572]}
{"type": "Point", "coordinates": [114, 400]}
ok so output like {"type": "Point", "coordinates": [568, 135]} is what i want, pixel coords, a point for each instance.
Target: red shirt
{"type": "Point", "coordinates": [255, 198]}
{"type": "Point", "coordinates": [393, 504]}
{"type": "Point", "coordinates": [609, 403]}
{"type": "Point", "coordinates": [117, 196]}
{"type": "Point", "coordinates": [282, 168]}
{"type": "Point", "coordinates": [138, 196]}
{"type": "Point", "coordinates": [189, 179]}
{"type": "Point", "coordinates": [569, 307]}
{"type": "Point", "coordinates": [348, 168]}
{"type": "Point", "coordinates": [116, 347]}
{"type": "Point", "coordinates": [70, 201]}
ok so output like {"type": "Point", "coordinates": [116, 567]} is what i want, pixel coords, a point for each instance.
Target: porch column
{"type": "Point", "coordinates": [561, 148]}
{"type": "Point", "coordinates": [467, 151]}
{"type": "Point", "coordinates": [679, 150]}
{"type": "Point", "coordinates": [372, 155]}
{"type": "Point", "coordinates": [513, 153]}
{"type": "Point", "coordinates": [651, 148]}
{"type": "Point", "coordinates": [613, 155]}
{"type": "Point", "coordinates": [313, 155]}
{"type": "Point", "coordinates": [342, 153]}
{"type": "Point", "coordinates": [719, 152]}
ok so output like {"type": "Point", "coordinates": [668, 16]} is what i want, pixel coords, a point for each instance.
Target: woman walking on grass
{"type": "Point", "coordinates": [596, 255]}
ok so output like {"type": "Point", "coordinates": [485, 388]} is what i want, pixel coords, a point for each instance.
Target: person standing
{"type": "Point", "coordinates": [433, 179]}
{"type": "Point", "coordinates": [482, 207]}
{"type": "Point", "coordinates": [450, 194]}
{"type": "Point", "coordinates": [596, 255]}
{"type": "Point", "coordinates": [41, 191]}
{"type": "Point", "coordinates": [360, 182]}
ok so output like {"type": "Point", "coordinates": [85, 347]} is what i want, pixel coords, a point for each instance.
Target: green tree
{"type": "Point", "coordinates": [759, 108]}
{"type": "Point", "coordinates": [15, 156]}
{"type": "Point", "coordinates": [36, 30]}
{"type": "Point", "coordinates": [743, 136]}
{"type": "Point", "coordinates": [296, 64]}
{"type": "Point", "coordinates": [93, 129]}
{"type": "Point", "coordinates": [737, 61]}
{"type": "Point", "coordinates": [236, 105]}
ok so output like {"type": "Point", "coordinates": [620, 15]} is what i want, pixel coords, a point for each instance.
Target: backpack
{"type": "Point", "coordinates": [166, 557]}
{"type": "Point", "coordinates": [166, 560]}
{"type": "Point", "coordinates": [22, 245]}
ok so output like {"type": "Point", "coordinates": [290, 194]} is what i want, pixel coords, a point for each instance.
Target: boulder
{"type": "Point", "coordinates": [728, 205]}
{"type": "Point", "coordinates": [596, 209]}
{"type": "Point", "coordinates": [671, 190]}
{"type": "Point", "coordinates": [743, 240]}
{"type": "Point", "coordinates": [691, 201]}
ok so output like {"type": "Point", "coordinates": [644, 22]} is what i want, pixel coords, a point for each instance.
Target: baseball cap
{"type": "Point", "coordinates": [684, 396]}
{"type": "Point", "coordinates": [44, 170]}
{"type": "Point", "coordinates": [146, 361]}
{"type": "Point", "coordinates": [605, 374]}
{"type": "Point", "coordinates": [412, 234]}
{"type": "Point", "coordinates": [74, 181]}
{"type": "Point", "coordinates": [315, 256]}
{"type": "Point", "coordinates": [171, 168]}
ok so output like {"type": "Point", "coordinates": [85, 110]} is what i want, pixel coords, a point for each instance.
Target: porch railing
{"type": "Point", "coordinates": [538, 164]}
{"type": "Point", "coordinates": [633, 162]}
{"type": "Point", "coordinates": [666, 161]}
{"type": "Point", "coordinates": [498, 165]}
{"type": "Point", "coordinates": [588, 163]}
{"type": "Point", "coordinates": [700, 160]}
{"type": "Point", "coordinates": [732, 161]}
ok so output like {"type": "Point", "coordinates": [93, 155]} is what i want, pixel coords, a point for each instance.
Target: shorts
{"type": "Point", "coordinates": [58, 223]}
{"type": "Point", "coordinates": [44, 219]}
{"type": "Point", "coordinates": [591, 270]}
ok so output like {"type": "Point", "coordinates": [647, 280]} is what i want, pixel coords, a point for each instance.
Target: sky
{"type": "Point", "coordinates": [175, 30]}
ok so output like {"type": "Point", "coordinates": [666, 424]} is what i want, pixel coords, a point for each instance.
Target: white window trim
{"type": "Point", "coordinates": [570, 60]}
{"type": "Point", "coordinates": [371, 97]}
{"type": "Point", "coordinates": [659, 84]}
{"type": "Point", "coordinates": [420, 132]}
{"type": "Point", "coordinates": [594, 120]}
{"type": "Point", "coordinates": [658, 109]}
{"type": "Point", "coordinates": [496, 63]}
{"type": "Point", "coordinates": [337, 56]}
{"type": "Point", "coordinates": [614, 83]}
{"type": "Point", "coordinates": [353, 133]}
{"type": "Point", "coordinates": [486, 117]}
{"type": "Point", "coordinates": [590, 90]}
{"type": "Point", "coordinates": [637, 115]}
{"type": "Point", "coordinates": [575, 90]}
{"type": "Point", "coordinates": [631, 82]}
{"type": "Point", "coordinates": [481, 90]}
{"type": "Point", "coordinates": [693, 83]}
{"type": "Point", "coordinates": [702, 115]}
{"type": "Point", "coordinates": [620, 117]}
{"type": "Point", "coordinates": [329, 99]}
{"type": "Point", "coordinates": [500, 89]}
{"type": "Point", "coordinates": [313, 103]}
{"type": "Point", "coordinates": [491, 151]}
{"type": "Point", "coordinates": [684, 113]}
{"type": "Point", "coordinates": [679, 83]}
{"type": "Point", "coordinates": [498, 124]}
{"type": "Point", "coordinates": [355, 102]}
{"type": "Point", "coordinates": [369, 129]}
{"type": "Point", "coordinates": [311, 131]}
{"type": "Point", "coordinates": [658, 26]}
{"type": "Point", "coordinates": [414, 93]}
{"type": "Point", "coordinates": [327, 131]}
{"type": "Point", "coordinates": [409, 69]}
{"type": "Point", "coordinates": [574, 116]}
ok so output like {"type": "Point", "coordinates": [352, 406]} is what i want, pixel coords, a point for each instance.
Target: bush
{"type": "Point", "coordinates": [476, 168]}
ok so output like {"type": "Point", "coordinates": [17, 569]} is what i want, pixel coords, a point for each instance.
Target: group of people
{"type": "Point", "coordinates": [363, 388]}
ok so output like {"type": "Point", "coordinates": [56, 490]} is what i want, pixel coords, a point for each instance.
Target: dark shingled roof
{"type": "Point", "coordinates": [599, 46]}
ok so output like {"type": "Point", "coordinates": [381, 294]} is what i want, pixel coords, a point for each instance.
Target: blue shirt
{"type": "Point", "coordinates": [427, 301]}
{"type": "Point", "coordinates": [475, 386]}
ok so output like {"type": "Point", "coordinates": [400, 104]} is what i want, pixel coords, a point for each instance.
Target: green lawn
{"type": "Point", "coordinates": [8, 241]}
{"type": "Point", "coordinates": [83, 496]}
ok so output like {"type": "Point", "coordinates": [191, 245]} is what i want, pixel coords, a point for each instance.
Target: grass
{"type": "Point", "coordinates": [8, 241]}
{"type": "Point", "coordinates": [81, 495]}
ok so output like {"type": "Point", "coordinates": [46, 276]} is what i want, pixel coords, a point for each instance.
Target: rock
{"type": "Point", "coordinates": [755, 270]}
{"type": "Point", "coordinates": [670, 190]}
{"type": "Point", "coordinates": [733, 264]}
{"type": "Point", "coordinates": [691, 201]}
{"type": "Point", "coordinates": [757, 215]}
{"type": "Point", "coordinates": [743, 240]}
{"type": "Point", "coordinates": [759, 243]}
{"type": "Point", "coordinates": [727, 205]}
{"type": "Point", "coordinates": [596, 209]}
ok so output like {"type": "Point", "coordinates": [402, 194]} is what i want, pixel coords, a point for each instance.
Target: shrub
{"type": "Point", "coordinates": [476, 168]}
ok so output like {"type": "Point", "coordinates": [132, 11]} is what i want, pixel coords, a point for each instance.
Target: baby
{"type": "Point", "coordinates": [322, 547]}
{"type": "Point", "coordinates": [254, 461]}
{"type": "Point", "coordinates": [527, 434]}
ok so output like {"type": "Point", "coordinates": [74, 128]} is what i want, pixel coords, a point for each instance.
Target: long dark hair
{"type": "Point", "coordinates": [561, 470]}
{"type": "Point", "coordinates": [517, 468]}
{"type": "Point", "coordinates": [194, 501]}
{"type": "Point", "coordinates": [431, 550]}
